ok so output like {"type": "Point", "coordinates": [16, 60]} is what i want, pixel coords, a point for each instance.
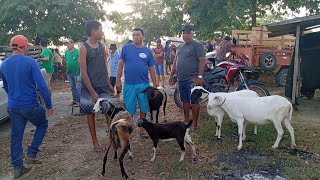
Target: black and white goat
{"type": "Point", "coordinates": [120, 131]}
{"type": "Point", "coordinates": [163, 131]}
{"type": "Point", "coordinates": [156, 99]}
{"type": "Point", "coordinates": [105, 107]}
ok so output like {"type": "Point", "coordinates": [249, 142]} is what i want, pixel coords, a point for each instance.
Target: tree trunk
{"type": "Point", "coordinates": [253, 13]}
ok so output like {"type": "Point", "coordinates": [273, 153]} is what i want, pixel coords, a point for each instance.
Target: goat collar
{"type": "Point", "coordinates": [114, 109]}
{"type": "Point", "coordinates": [207, 95]}
{"type": "Point", "coordinates": [223, 101]}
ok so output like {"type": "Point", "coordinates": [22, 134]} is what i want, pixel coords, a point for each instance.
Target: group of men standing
{"type": "Point", "coordinates": [135, 60]}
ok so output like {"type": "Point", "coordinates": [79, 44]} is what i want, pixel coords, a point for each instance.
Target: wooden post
{"type": "Point", "coordinates": [296, 65]}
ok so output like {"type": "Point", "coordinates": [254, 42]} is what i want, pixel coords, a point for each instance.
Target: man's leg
{"type": "Point", "coordinates": [72, 83]}
{"type": "Point", "coordinates": [143, 104]}
{"type": "Point", "coordinates": [37, 117]}
{"type": "Point", "coordinates": [18, 124]}
{"type": "Point", "coordinates": [93, 133]}
{"type": "Point", "coordinates": [183, 90]}
{"type": "Point", "coordinates": [162, 74]}
{"type": "Point", "coordinates": [186, 111]}
{"type": "Point", "coordinates": [195, 114]}
{"type": "Point", "coordinates": [77, 88]}
{"type": "Point", "coordinates": [86, 106]}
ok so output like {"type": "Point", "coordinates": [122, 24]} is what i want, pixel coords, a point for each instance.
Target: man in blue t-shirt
{"type": "Point", "coordinates": [21, 77]}
{"type": "Point", "coordinates": [138, 60]}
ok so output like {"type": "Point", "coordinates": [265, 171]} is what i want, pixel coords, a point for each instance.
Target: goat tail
{"type": "Point", "coordinates": [165, 104]}
{"type": "Point", "coordinates": [189, 123]}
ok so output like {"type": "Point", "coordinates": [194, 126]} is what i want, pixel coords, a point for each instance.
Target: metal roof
{"type": "Point", "coordinates": [290, 26]}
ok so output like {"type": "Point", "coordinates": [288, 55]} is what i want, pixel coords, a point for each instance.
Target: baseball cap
{"type": "Point", "coordinates": [158, 40]}
{"type": "Point", "coordinates": [19, 41]}
{"type": "Point", "coordinates": [187, 27]}
{"type": "Point", "coordinates": [70, 40]}
{"type": "Point", "coordinates": [113, 46]}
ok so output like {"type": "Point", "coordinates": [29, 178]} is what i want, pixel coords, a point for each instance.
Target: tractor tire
{"type": "Point", "coordinates": [268, 61]}
{"type": "Point", "coordinates": [281, 77]}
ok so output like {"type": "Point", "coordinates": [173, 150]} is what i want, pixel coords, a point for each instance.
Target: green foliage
{"type": "Point", "coordinates": [47, 19]}
{"type": "Point", "coordinates": [150, 15]}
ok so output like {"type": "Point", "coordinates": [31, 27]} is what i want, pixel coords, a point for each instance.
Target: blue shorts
{"type": "Point", "coordinates": [159, 69]}
{"type": "Point", "coordinates": [185, 90]}
{"type": "Point", "coordinates": [132, 94]}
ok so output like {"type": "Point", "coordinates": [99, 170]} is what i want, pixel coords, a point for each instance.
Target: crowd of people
{"type": "Point", "coordinates": [87, 72]}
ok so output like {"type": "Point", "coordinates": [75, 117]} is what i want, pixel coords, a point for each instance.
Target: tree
{"type": "Point", "coordinates": [47, 19]}
{"type": "Point", "coordinates": [150, 15]}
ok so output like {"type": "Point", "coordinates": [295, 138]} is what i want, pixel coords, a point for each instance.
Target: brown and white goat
{"type": "Point", "coordinates": [120, 133]}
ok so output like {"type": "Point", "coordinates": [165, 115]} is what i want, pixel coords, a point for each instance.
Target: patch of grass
{"type": "Point", "coordinates": [292, 166]}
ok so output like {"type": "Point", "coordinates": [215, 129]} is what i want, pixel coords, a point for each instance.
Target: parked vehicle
{"type": "Point", "coordinates": [269, 54]}
{"type": "Point", "coordinates": [222, 77]}
{"type": "Point", "coordinates": [3, 101]}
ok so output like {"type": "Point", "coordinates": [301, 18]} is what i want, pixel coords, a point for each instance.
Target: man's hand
{"type": "Point", "coordinates": [111, 89]}
{"type": "Point", "coordinates": [118, 87]}
{"type": "Point", "coordinates": [95, 97]}
{"type": "Point", "coordinates": [172, 80]}
{"type": "Point", "coordinates": [49, 112]}
{"type": "Point", "coordinates": [199, 82]}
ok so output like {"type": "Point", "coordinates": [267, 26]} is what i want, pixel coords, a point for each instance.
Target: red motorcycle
{"type": "Point", "coordinates": [222, 77]}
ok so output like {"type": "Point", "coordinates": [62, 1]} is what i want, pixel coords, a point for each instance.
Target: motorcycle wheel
{"type": "Point", "coordinates": [177, 100]}
{"type": "Point", "coordinates": [260, 89]}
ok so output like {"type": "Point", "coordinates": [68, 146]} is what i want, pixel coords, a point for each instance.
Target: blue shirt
{"type": "Point", "coordinates": [136, 63]}
{"type": "Point", "coordinates": [114, 62]}
{"type": "Point", "coordinates": [21, 77]}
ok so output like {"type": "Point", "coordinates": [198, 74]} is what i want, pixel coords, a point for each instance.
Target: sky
{"type": "Point", "coordinates": [120, 6]}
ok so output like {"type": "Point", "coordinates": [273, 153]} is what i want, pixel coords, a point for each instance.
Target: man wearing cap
{"type": "Point", "coordinates": [188, 68]}
{"type": "Point", "coordinates": [114, 59]}
{"type": "Point", "coordinates": [73, 71]}
{"type": "Point", "coordinates": [46, 57]}
{"type": "Point", "coordinates": [158, 54]}
{"type": "Point", "coordinates": [21, 77]}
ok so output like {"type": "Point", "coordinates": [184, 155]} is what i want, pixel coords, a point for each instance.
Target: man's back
{"type": "Point", "coordinates": [20, 73]}
{"type": "Point", "coordinates": [224, 47]}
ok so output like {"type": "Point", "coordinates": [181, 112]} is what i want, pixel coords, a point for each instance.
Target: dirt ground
{"type": "Point", "coordinates": [67, 151]}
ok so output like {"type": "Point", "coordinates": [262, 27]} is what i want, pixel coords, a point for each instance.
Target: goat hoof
{"type": "Point", "coordinates": [219, 139]}
{"type": "Point", "coordinates": [239, 148]}
{"type": "Point", "coordinates": [152, 160]}
{"type": "Point", "coordinates": [274, 147]}
{"type": "Point", "coordinates": [293, 146]}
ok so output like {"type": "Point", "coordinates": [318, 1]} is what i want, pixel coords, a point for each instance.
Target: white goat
{"type": "Point", "coordinates": [259, 111]}
{"type": "Point", "coordinates": [199, 93]}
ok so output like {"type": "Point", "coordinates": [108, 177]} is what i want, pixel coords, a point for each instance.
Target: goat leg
{"type": "Point", "coordinates": [129, 152]}
{"type": "Point", "coordinates": [151, 115]}
{"type": "Point", "coordinates": [105, 159]}
{"type": "Point", "coordinates": [157, 115]}
{"type": "Point", "coordinates": [123, 172]}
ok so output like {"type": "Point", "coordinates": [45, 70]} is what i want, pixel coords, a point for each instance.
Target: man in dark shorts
{"type": "Point", "coordinates": [95, 83]}
{"type": "Point", "coordinates": [189, 67]}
